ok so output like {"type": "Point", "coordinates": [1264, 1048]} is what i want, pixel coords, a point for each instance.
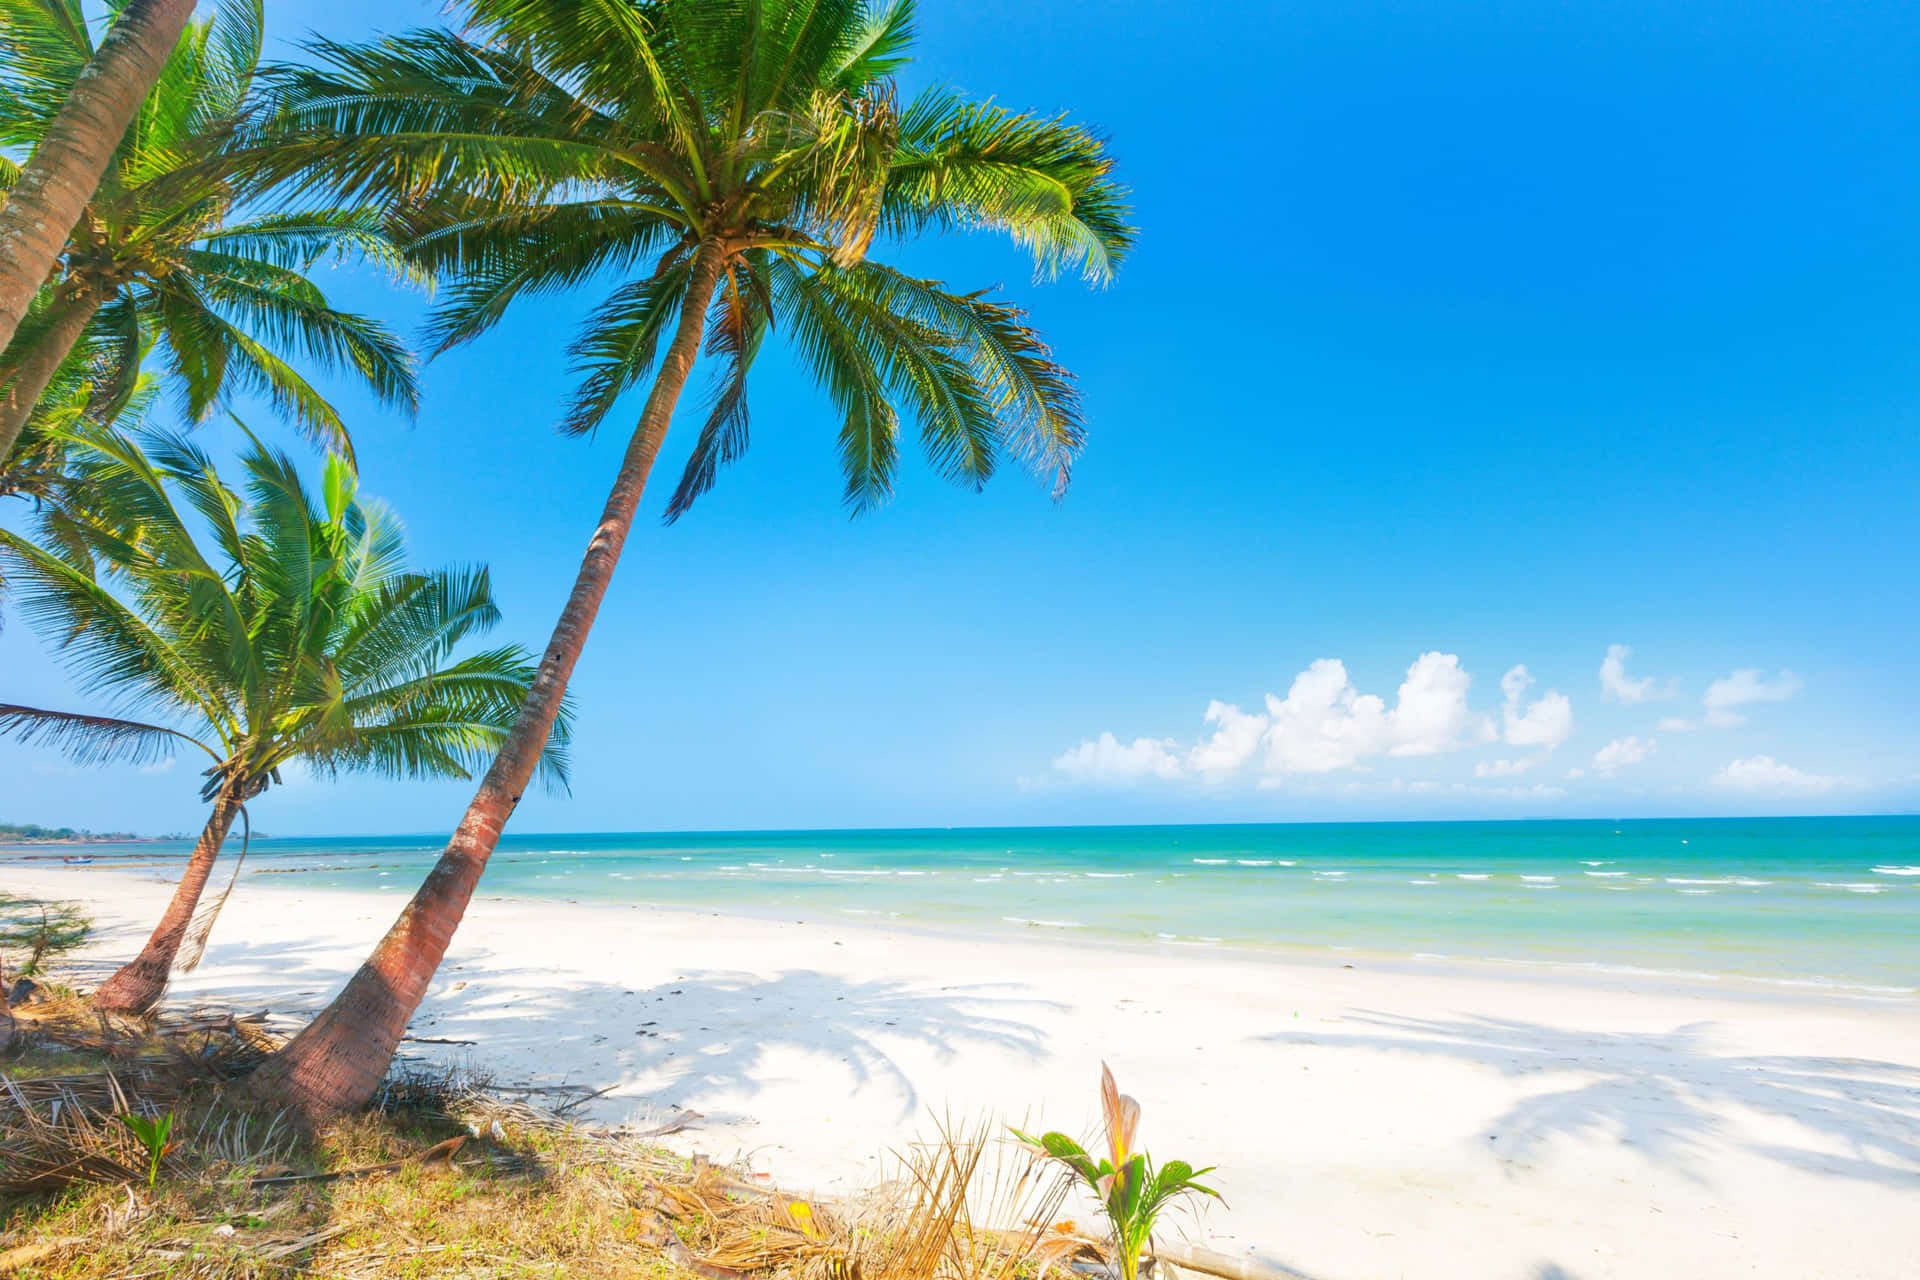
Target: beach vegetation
{"type": "Point", "coordinates": [263, 626]}
{"type": "Point", "coordinates": [155, 1135]}
{"type": "Point", "coordinates": [743, 172]}
{"type": "Point", "coordinates": [447, 1175]}
{"type": "Point", "coordinates": [1132, 1191]}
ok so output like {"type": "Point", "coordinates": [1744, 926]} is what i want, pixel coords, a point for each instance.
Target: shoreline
{"type": "Point", "coordinates": [1594, 974]}
{"type": "Point", "coordinates": [1372, 1121]}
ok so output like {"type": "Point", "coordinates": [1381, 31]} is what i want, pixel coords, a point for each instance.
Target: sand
{"type": "Point", "coordinates": [1369, 1118]}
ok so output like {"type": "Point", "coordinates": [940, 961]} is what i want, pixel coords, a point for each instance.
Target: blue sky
{"type": "Point", "coordinates": [1494, 332]}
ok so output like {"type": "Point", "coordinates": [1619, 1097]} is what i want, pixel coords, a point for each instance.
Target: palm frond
{"type": "Point", "coordinates": [91, 739]}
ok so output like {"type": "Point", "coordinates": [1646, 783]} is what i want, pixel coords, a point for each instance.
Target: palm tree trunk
{"type": "Point", "coordinates": [26, 378]}
{"type": "Point", "coordinates": [65, 167]}
{"type": "Point", "coordinates": [139, 984]}
{"type": "Point", "coordinates": [337, 1062]}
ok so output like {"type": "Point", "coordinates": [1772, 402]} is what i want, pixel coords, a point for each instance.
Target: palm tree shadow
{"type": "Point", "coordinates": [1663, 1092]}
{"type": "Point", "coordinates": [720, 1034]}
{"type": "Point", "coordinates": [704, 1035]}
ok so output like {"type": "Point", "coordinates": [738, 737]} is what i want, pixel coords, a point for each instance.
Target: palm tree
{"type": "Point", "coordinates": [297, 634]}
{"type": "Point", "coordinates": [161, 247]}
{"type": "Point", "coordinates": [49, 194]}
{"type": "Point", "coordinates": [733, 161]}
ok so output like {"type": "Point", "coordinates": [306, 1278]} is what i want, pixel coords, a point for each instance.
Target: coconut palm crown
{"type": "Point", "coordinates": [260, 626]}
{"type": "Point", "coordinates": [746, 158]}
{"type": "Point", "coordinates": [171, 243]}
{"type": "Point", "coordinates": [734, 165]}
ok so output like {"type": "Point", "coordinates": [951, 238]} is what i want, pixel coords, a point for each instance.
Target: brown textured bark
{"type": "Point", "coordinates": [338, 1060]}
{"type": "Point", "coordinates": [139, 983]}
{"type": "Point", "coordinates": [65, 167]}
{"type": "Point", "coordinates": [26, 377]}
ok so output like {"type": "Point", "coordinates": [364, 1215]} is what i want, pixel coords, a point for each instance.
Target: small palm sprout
{"type": "Point", "coordinates": [1131, 1191]}
{"type": "Point", "coordinates": [155, 1134]}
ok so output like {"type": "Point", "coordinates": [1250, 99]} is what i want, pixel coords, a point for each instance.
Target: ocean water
{"type": "Point", "coordinates": [1825, 902]}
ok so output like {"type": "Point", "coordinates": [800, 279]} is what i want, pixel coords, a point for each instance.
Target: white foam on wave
{"type": "Point", "coordinates": [1539, 879]}
{"type": "Point", "coordinates": [1423, 882]}
{"type": "Point", "coordinates": [1585, 863]}
{"type": "Point", "coordinates": [1850, 886]}
{"type": "Point", "coordinates": [1698, 891]}
{"type": "Point", "coordinates": [1044, 924]}
{"type": "Point", "coordinates": [1680, 880]}
{"type": "Point", "coordinates": [1606, 874]}
{"type": "Point", "coordinates": [1469, 875]}
{"type": "Point", "coordinates": [1745, 883]}
{"type": "Point", "coordinates": [1210, 862]}
{"type": "Point", "coordinates": [1896, 871]}
{"type": "Point", "coordinates": [1109, 875]}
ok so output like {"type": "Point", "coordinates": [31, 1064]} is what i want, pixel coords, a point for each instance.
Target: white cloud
{"type": "Point", "coordinates": [1742, 688]}
{"type": "Point", "coordinates": [1616, 684]}
{"type": "Point", "coordinates": [1676, 724]}
{"type": "Point", "coordinates": [1547, 721]}
{"type": "Point", "coordinates": [1431, 714]}
{"type": "Point", "coordinates": [1235, 740]}
{"type": "Point", "coordinates": [1621, 753]}
{"type": "Point", "coordinates": [1575, 773]}
{"type": "Point", "coordinates": [160, 766]}
{"type": "Point", "coordinates": [1504, 768]}
{"type": "Point", "coordinates": [1764, 773]}
{"type": "Point", "coordinates": [1325, 724]}
{"type": "Point", "coordinates": [1107, 759]}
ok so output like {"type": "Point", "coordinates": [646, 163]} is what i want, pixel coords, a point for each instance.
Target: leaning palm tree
{"type": "Point", "coordinates": [163, 245]}
{"type": "Point", "coordinates": [734, 162]}
{"type": "Point", "coordinates": [263, 626]}
{"type": "Point", "coordinates": [51, 191]}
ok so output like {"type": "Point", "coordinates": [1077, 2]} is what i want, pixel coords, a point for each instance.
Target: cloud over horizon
{"type": "Point", "coordinates": [1764, 773]}
{"type": "Point", "coordinates": [1325, 725]}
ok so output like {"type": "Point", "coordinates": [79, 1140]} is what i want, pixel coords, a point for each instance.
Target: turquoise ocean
{"type": "Point", "coordinates": [1818, 902]}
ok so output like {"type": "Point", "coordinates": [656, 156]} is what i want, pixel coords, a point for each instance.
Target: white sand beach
{"type": "Point", "coordinates": [1370, 1119]}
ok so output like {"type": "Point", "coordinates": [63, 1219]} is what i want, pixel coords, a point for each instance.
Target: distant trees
{"type": "Point", "coordinates": [30, 832]}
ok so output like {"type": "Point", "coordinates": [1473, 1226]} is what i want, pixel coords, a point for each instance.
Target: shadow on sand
{"type": "Point", "coordinates": [1663, 1092]}
{"type": "Point", "coordinates": [704, 1035]}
